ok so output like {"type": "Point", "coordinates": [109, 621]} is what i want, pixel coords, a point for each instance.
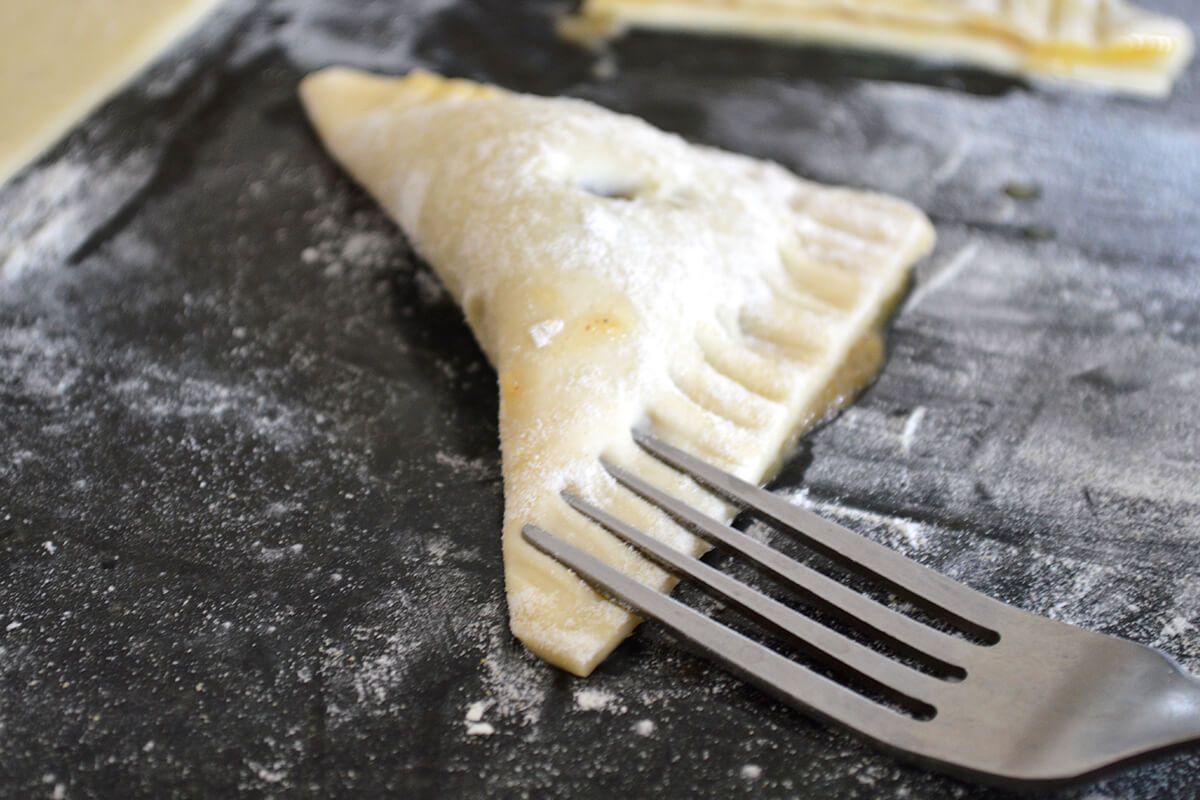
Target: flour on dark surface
{"type": "Point", "coordinates": [249, 479]}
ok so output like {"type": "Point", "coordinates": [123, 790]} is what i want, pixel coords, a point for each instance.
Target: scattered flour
{"type": "Point", "coordinates": [480, 729]}
{"type": "Point", "coordinates": [273, 554]}
{"type": "Point", "coordinates": [476, 710]}
{"type": "Point", "coordinates": [477, 468]}
{"type": "Point", "coordinates": [945, 272]}
{"type": "Point", "coordinates": [268, 774]}
{"type": "Point", "coordinates": [593, 699]}
{"type": "Point", "coordinates": [516, 680]}
{"type": "Point", "coordinates": [644, 727]}
{"type": "Point", "coordinates": [1176, 627]}
{"type": "Point", "coordinates": [342, 252]}
{"type": "Point", "coordinates": [313, 36]}
{"type": "Point", "coordinates": [544, 331]}
{"type": "Point", "coordinates": [1183, 620]}
{"type": "Point", "coordinates": [370, 249]}
{"type": "Point", "coordinates": [751, 772]}
{"type": "Point", "coordinates": [906, 531]}
{"type": "Point", "coordinates": [914, 533]}
{"type": "Point", "coordinates": [910, 428]}
{"type": "Point", "coordinates": [50, 205]}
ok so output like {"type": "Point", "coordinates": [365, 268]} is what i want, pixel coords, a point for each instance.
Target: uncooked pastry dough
{"type": "Point", "coordinates": [613, 272]}
{"type": "Point", "coordinates": [59, 59]}
{"type": "Point", "coordinates": [1099, 43]}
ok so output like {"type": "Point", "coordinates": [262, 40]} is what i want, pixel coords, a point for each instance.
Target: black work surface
{"type": "Point", "coordinates": [249, 478]}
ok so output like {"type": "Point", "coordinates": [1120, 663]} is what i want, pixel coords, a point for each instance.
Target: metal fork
{"type": "Point", "coordinates": [992, 693]}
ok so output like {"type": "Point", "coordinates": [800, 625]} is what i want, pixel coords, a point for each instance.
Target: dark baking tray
{"type": "Point", "coordinates": [249, 479]}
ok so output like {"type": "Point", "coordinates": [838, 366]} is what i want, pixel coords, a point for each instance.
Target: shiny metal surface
{"type": "Point", "coordinates": [1028, 701]}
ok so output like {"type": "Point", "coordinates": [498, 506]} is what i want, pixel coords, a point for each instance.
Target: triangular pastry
{"type": "Point", "coordinates": [1100, 43]}
{"type": "Point", "coordinates": [614, 273]}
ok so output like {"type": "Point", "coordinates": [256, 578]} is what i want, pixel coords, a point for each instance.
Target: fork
{"type": "Point", "coordinates": [976, 688]}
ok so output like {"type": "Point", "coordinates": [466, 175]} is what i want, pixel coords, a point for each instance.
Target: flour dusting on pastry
{"type": "Point", "coordinates": [614, 273]}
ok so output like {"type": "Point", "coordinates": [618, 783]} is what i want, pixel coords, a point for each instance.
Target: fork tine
{"type": "Point", "coordinates": [919, 690]}
{"type": "Point", "coordinates": [749, 660]}
{"type": "Point", "coordinates": [903, 633]}
{"type": "Point", "coordinates": [968, 609]}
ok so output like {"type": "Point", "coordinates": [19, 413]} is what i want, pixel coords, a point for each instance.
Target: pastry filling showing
{"type": "Point", "coordinates": [1105, 43]}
